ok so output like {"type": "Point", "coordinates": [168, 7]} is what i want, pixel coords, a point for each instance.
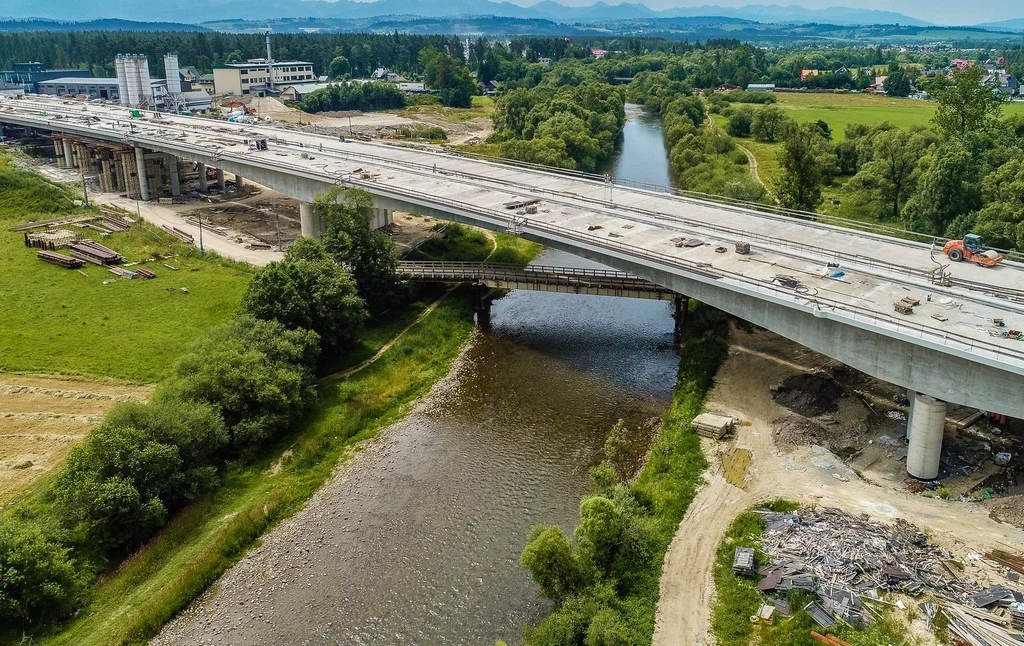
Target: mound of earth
{"type": "Point", "coordinates": [809, 394]}
{"type": "Point", "coordinates": [794, 431]}
{"type": "Point", "coordinates": [1007, 509]}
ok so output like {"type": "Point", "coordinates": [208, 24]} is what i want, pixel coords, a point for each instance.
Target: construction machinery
{"type": "Point", "coordinates": [972, 248]}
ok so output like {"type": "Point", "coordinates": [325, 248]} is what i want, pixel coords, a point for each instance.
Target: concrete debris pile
{"type": "Point", "coordinates": [848, 560]}
{"type": "Point", "coordinates": [809, 394]}
{"type": "Point", "coordinates": [845, 559]}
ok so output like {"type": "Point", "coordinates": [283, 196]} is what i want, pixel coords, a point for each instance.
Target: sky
{"type": "Point", "coordinates": [937, 11]}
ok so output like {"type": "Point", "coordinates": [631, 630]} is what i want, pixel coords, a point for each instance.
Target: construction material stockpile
{"type": "Point", "coordinates": [846, 560]}
{"type": "Point", "coordinates": [95, 253]}
{"type": "Point", "coordinates": [59, 259]}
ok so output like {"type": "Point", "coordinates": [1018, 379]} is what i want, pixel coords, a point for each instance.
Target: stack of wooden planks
{"type": "Point", "coordinates": [59, 259]}
{"type": "Point", "coordinates": [95, 253]}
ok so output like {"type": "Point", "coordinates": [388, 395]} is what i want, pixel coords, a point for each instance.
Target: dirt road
{"type": "Point", "coordinates": [806, 476]}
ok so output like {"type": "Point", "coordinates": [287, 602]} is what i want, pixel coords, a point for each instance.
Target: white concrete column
{"type": "Point", "coordinates": [69, 159]}
{"type": "Point", "coordinates": [220, 179]}
{"type": "Point", "coordinates": [307, 221]}
{"type": "Point", "coordinates": [926, 424]}
{"type": "Point", "coordinates": [140, 165]}
{"type": "Point", "coordinates": [239, 182]}
{"type": "Point", "coordinates": [172, 169]}
{"type": "Point", "coordinates": [201, 167]}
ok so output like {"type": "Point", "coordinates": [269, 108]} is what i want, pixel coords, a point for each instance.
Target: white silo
{"type": "Point", "coordinates": [122, 80]}
{"type": "Point", "coordinates": [171, 74]}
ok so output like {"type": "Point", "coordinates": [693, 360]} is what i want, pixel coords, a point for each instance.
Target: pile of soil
{"type": "Point", "coordinates": [809, 394]}
{"type": "Point", "coordinates": [794, 431]}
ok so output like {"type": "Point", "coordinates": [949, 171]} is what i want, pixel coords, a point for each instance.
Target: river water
{"type": "Point", "coordinates": [419, 541]}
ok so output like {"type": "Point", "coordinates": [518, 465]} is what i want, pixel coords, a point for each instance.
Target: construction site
{"type": "Point", "coordinates": [784, 422]}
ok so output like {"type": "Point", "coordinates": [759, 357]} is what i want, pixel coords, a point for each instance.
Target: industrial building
{"type": "Point", "coordinates": [252, 76]}
{"type": "Point", "coordinates": [92, 88]}
{"type": "Point", "coordinates": [28, 75]}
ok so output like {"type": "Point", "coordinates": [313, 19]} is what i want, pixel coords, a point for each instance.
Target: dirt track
{"type": "Point", "coordinates": [806, 476]}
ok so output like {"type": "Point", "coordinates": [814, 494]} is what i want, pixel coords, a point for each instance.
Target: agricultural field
{"type": "Point", "coordinates": [89, 322]}
{"type": "Point", "coordinates": [840, 110]}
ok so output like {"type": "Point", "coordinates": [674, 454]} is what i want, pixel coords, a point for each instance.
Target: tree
{"type": "Point", "coordinates": [740, 122]}
{"type": "Point", "coordinates": [607, 628]}
{"type": "Point", "coordinates": [768, 123]}
{"type": "Point", "coordinates": [369, 255]}
{"type": "Point", "coordinates": [599, 531]}
{"type": "Point", "coordinates": [897, 83]}
{"type": "Point", "coordinates": [948, 187]}
{"type": "Point", "coordinates": [583, 148]}
{"type": "Point", "coordinates": [114, 485]}
{"type": "Point", "coordinates": [449, 76]}
{"type": "Point", "coordinates": [892, 172]}
{"type": "Point", "coordinates": [307, 289]}
{"type": "Point", "coordinates": [1001, 221]}
{"type": "Point", "coordinates": [967, 105]}
{"type": "Point", "coordinates": [339, 68]}
{"type": "Point", "coordinates": [544, 151]}
{"type": "Point", "coordinates": [254, 373]}
{"type": "Point", "coordinates": [616, 449]}
{"type": "Point", "coordinates": [549, 557]}
{"type": "Point", "coordinates": [39, 578]}
{"type": "Point", "coordinates": [805, 159]}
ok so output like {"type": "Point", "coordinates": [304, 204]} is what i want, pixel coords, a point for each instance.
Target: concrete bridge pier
{"type": "Point", "coordinates": [239, 182]}
{"type": "Point", "coordinates": [172, 169]}
{"type": "Point", "coordinates": [220, 179]}
{"type": "Point", "coordinates": [201, 168]}
{"type": "Point", "coordinates": [482, 305]}
{"type": "Point", "coordinates": [926, 425]}
{"type": "Point", "coordinates": [69, 160]}
{"type": "Point", "coordinates": [308, 221]}
{"type": "Point", "coordinates": [140, 167]}
{"type": "Point", "coordinates": [681, 305]}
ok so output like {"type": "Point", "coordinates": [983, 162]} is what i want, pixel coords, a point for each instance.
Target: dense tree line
{"type": "Point", "coordinates": [96, 50]}
{"type": "Point", "coordinates": [235, 391]}
{"type": "Point", "coordinates": [352, 95]}
{"type": "Point", "coordinates": [560, 123]}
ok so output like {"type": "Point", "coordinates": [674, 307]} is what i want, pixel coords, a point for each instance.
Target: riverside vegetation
{"type": "Point", "coordinates": [605, 587]}
{"type": "Point", "coordinates": [162, 497]}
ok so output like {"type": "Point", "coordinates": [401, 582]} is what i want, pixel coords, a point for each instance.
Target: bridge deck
{"type": "Point", "coordinates": [575, 280]}
{"type": "Point", "coordinates": [787, 262]}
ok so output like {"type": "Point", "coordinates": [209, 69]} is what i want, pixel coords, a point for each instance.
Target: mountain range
{"type": "Point", "coordinates": [185, 11]}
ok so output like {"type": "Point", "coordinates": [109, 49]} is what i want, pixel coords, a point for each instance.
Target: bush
{"type": "Point", "coordinates": [740, 122]}
{"type": "Point", "coordinates": [354, 96]}
{"type": "Point", "coordinates": [307, 290]}
{"type": "Point", "coordinates": [38, 577]}
{"type": "Point", "coordinates": [254, 373]}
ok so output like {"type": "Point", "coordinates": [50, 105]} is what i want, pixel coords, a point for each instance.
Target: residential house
{"type": "Point", "coordinates": [598, 53]}
{"type": "Point", "coordinates": [1006, 84]}
{"type": "Point", "coordinates": [805, 74]}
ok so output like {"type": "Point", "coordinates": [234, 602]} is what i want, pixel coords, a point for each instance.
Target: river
{"type": "Point", "coordinates": [418, 541]}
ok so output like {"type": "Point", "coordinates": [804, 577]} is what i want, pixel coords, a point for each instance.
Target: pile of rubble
{"type": "Point", "coordinates": [846, 560]}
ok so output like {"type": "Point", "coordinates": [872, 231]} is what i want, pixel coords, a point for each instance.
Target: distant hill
{"type": "Point", "coordinates": [176, 11]}
{"type": "Point", "coordinates": [1005, 25]}
{"type": "Point", "coordinates": [108, 24]}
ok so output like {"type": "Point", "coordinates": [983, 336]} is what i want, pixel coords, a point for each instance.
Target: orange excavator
{"type": "Point", "coordinates": [972, 248]}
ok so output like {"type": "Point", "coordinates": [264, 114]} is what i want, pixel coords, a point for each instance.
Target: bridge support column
{"type": "Point", "coordinates": [239, 182]}
{"type": "Point", "coordinates": [309, 221]}
{"type": "Point", "coordinates": [69, 159]}
{"type": "Point", "coordinates": [201, 167]}
{"type": "Point", "coordinates": [172, 170]}
{"type": "Point", "coordinates": [482, 306]}
{"type": "Point", "coordinates": [680, 305]}
{"type": "Point", "coordinates": [140, 165]}
{"type": "Point", "coordinates": [925, 426]}
{"type": "Point", "coordinates": [220, 179]}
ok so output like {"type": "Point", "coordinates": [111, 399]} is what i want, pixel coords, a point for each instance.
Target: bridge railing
{"type": "Point", "coordinates": [818, 302]}
{"type": "Point", "coordinates": [430, 265]}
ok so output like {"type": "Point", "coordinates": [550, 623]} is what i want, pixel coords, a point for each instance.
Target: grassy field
{"type": "Point", "coordinates": [840, 110]}
{"type": "Point", "coordinates": [134, 602]}
{"type": "Point", "coordinates": [58, 321]}
{"type": "Point", "coordinates": [483, 107]}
